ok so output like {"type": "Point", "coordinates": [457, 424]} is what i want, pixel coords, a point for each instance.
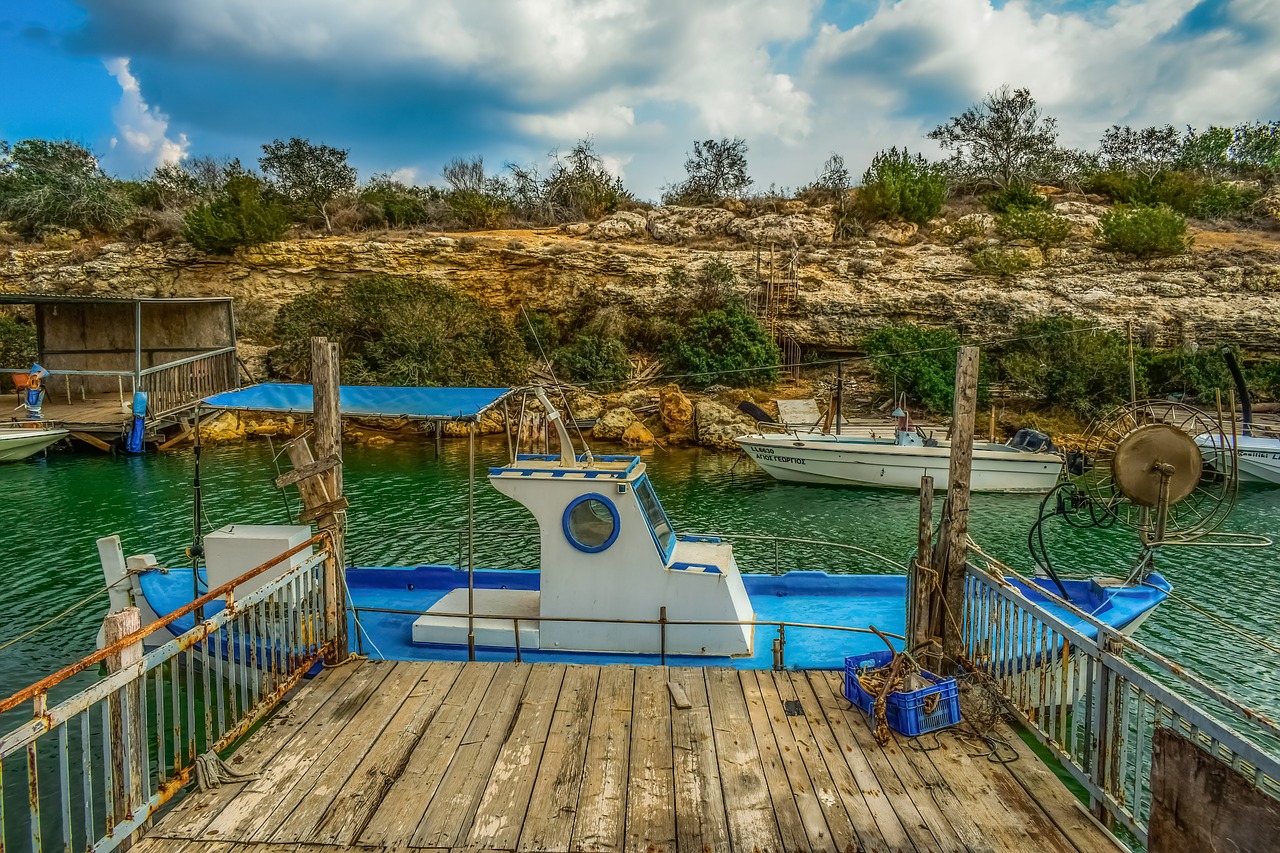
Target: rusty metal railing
{"type": "Point", "coordinates": [1094, 697]}
{"type": "Point", "coordinates": [98, 764]}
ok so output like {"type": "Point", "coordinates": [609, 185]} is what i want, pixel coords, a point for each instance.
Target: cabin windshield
{"type": "Point", "coordinates": [663, 534]}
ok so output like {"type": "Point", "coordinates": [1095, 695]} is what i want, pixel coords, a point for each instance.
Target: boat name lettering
{"type": "Point", "coordinates": [767, 455]}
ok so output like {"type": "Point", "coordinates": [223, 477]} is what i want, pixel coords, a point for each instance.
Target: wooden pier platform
{"type": "Point", "coordinates": [453, 756]}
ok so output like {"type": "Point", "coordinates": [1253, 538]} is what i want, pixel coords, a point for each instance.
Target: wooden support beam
{"type": "Point", "coordinates": [327, 414]}
{"type": "Point", "coordinates": [327, 508]}
{"type": "Point", "coordinates": [310, 469]}
{"type": "Point", "coordinates": [126, 710]}
{"type": "Point", "coordinates": [92, 440]}
{"type": "Point", "coordinates": [923, 580]}
{"type": "Point", "coordinates": [951, 554]}
{"type": "Point", "coordinates": [177, 439]}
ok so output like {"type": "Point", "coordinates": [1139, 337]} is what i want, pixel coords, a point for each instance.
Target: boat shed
{"type": "Point", "coordinates": [100, 350]}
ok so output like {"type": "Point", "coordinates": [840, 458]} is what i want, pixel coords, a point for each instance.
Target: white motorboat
{"type": "Point", "coordinates": [1257, 456]}
{"type": "Point", "coordinates": [22, 442]}
{"type": "Point", "coordinates": [1028, 464]}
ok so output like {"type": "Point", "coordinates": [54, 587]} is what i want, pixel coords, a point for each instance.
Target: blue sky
{"type": "Point", "coordinates": [406, 85]}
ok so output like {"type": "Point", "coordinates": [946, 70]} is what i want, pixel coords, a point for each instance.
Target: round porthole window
{"type": "Point", "coordinates": [591, 523]}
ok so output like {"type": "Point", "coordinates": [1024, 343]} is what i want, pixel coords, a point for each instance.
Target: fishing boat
{"type": "Point", "coordinates": [617, 580]}
{"type": "Point", "coordinates": [21, 442]}
{"type": "Point", "coordinates": [1028, 463]}
{"type": "Point", "coordinates": [1257, 449]}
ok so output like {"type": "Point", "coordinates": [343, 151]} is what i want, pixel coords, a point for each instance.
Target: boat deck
{"type": "Point", "coordinates": [448, 755]}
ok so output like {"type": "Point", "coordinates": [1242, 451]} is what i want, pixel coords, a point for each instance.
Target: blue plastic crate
{"type": "Point", "coordinates": [904, 711]}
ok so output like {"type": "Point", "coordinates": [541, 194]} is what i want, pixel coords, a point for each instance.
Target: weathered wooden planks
{"type": "Point", "coordinates": [550, 758]}
{"type": "Point", "coordinates": [651, 813]}
{"type": "Point", "coordinates": [548, 823]}
{"type": "Point", "coordinates": [600, 821]}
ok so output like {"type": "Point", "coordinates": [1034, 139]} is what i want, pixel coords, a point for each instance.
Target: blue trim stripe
{"type": "Point", "coordinates": [704, 568]}
{"type": "Point", "coordinates": [588, 474]}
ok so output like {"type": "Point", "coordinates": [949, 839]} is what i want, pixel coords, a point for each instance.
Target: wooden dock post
{"type": "Point", "coordinates": [126, 709]}
{"type": "Point", "coordinates": [950, 556]}
{"type": "Point", "coordinates": [922, 579]}
{"type": "Point", "coordinates": [328, 427]}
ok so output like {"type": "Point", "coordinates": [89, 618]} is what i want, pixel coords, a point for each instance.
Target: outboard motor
{"type": "Point", "coordinates": [1031, 441]}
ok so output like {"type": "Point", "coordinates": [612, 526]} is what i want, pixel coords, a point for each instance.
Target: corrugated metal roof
{"type": "Point", "coordinates": [71, 299]}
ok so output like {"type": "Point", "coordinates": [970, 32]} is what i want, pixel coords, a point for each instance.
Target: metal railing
{"type": "Point", "coordinates": [1094, 697]}
{"type": "Point", "coordinates": [90, 770]}
{"type": "Point", "coordinates": [178, 384]}
{"type": "Point", "coordinates": [662, 623]}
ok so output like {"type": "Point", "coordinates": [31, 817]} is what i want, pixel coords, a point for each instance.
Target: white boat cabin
{"type": "Point", "coordinates": [608, 553]}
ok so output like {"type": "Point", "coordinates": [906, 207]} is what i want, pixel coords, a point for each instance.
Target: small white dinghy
{"type": "Point", "coordinates": [1028, 464]}
{"type": "Point", "coordinates": [21, 442]}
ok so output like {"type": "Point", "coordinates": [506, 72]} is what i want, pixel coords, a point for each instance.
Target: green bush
{"type": "Point", "coordinates": [239, 216]}
{"type": "Point", "coordinates": [1264, 380]}
{"type": "Point", "coordinates": [593, 359]}
{"type": "Point", "coordinates": [17, 343]}
{"type": "Point", "coordinates": [398, 205]}
{"type": "Point", "coordinates": [51, 185]}
{"type": "Point", "coordinates": [539, 331]}
{"type": "Point", "coordinates": [1221, 200]}
{"type": "Point", "coordinates": [1041, 228]}
{"type": "Point", "coordinates": [1057, 363]}
{"type": "Point", "coordinates": [1144, 231]}
{"type": "Point", "coordinates": [918, 361]}
{"type": "Point", "coordinates": [1000, 262]}
{"type": "Point", "coordinates": [1017, 196]}
{"type": "Point", "coordinates": [901, 186]}
{"type": "Point", "coordinates": [401, 331]}
{"type": "Point", "coordinates": [721, 346]}
{"type": "Point", "coordinates": [1179, 373]}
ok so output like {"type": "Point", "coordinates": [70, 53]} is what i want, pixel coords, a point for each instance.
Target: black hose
{"type": "Point", "coordinates": [1237, 376]}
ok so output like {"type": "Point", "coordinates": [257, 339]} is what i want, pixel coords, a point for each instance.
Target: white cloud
{"type": "Point", "coordinates": [515, 78]}
{"type": "Point", "coordinates": [143, 141]}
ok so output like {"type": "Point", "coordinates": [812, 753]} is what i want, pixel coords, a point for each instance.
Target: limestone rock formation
{"type": "Point", "coordinates": [894, 233]}
{"type": "Point", "coordinates": [676, 413]}
{"type": "Point", "coordinates": [614, 423]}
{"type": "Point", "coordinates": [718, 425]}
{"type": "Point", "coordinates": [688, 224]}
{"type": "Point", "coordinates": [637, 435]}
{"type": "Point", "coordinates": [1225, 291]}
{"type": "Point", "coordinates": [623, 225]}
{"type": "Point", "coordinates": [783, 229]}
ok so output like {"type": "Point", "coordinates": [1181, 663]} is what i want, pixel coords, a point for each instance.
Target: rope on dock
{"type": "Point", "coordinates": [1235, 629]}
{"type": "Point", "coordinates": [72, 609]}
{"type": "Point", "coordinates": [212, 771]}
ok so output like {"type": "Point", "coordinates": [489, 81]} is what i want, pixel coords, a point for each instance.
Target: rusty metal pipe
{"type": "Point", "coordinates": [44, 685]}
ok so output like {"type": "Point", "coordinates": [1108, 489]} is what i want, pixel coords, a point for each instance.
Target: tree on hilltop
{"type": "Point", "coordinates": [1001, 140]}
{"type": "Point", "coordinates": [716, 170]}
{"type": "Point", "coordinates": [48, 184]}
{"type": "Point", "coordinates": [306, 173]}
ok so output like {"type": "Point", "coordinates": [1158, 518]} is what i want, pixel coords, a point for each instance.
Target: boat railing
{"type": "Point", "coordinates": [1095, 697]}
{"type": "Point", "coordinates": [99, 759]}
{"type": "Point", "coordinates": [662, 623]}
{"type": "Point", "coordinates": [754, 553]}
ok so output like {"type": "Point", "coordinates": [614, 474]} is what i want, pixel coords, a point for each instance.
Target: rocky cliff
{"type": "Point", "coordinates": [1225, 290]}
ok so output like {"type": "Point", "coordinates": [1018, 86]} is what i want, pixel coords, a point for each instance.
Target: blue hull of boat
{"type": "Point", "coordinates": [809, 597]}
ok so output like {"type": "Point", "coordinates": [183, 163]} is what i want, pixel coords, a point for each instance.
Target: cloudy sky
{"type": "Point", "coordinates": [407, 85]}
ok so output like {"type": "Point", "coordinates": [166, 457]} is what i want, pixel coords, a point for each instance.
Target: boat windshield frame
{"type": "Point", "coordinates": [654, 514]}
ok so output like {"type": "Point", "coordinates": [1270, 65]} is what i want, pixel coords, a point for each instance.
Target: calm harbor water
{"type": "Point", "coordinates": [52, 510]}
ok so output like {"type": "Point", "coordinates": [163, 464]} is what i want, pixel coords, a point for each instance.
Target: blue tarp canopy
{"type": "Point", "coordinates": [365, 400]}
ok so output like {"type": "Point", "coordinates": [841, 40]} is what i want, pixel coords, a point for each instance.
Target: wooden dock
{"type": "Point", "coordinates": [505, 756]}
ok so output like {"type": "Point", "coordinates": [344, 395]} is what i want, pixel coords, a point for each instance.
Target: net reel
{"type": "Point", "coordinates": [1164, 469]}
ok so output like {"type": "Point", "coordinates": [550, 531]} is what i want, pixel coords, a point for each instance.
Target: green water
{"type": "Point", "coordinates": [51, 512]}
